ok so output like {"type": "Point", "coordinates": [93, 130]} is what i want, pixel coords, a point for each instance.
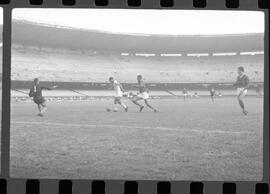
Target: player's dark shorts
{"type": "Point", "coordinates": [39, 100]}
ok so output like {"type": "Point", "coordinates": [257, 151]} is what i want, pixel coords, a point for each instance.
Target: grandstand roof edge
{"type": "Point", "coordinates": [128, 34]}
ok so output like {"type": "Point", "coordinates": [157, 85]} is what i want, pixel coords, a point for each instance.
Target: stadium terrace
{"type": "Point", "coordinates": [45, 35]}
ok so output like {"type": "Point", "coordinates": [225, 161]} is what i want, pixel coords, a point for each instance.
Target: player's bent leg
{"type": "Point", "coordinates": [241, 103]}
{"type": "Point", "coordinates": [44, 108]}
{"type": "Point", "coordinates": [39, 108]}
{"type": "Point", "coordinates": [135, 100]}
{"type": "Point", "coordinates": [122, 104]}
{"type": "Point", "coordinates": [116, 101]}
{"type": "Point", "coordinates": [147, 104]}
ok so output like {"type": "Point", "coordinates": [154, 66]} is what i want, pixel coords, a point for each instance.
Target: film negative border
{"type": "Point", "coordinates": [21, 186]}
{"type": "Point", "coordinates": [34, 186]}
{"type": "Point", "coordinates": [166, 4]}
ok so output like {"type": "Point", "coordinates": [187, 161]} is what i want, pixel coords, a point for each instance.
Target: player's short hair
{"type": "Point", "coordinates": [110, 78]}
{"type": "Point", "coordinates": [241, 69]}
{"type": "Point", "coordinates": [139, 76]}
{"type": "Point", "coordinates": [36, 80]}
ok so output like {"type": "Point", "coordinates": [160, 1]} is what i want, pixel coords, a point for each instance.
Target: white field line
{"type": "Point", "coordinates": [133, 127]}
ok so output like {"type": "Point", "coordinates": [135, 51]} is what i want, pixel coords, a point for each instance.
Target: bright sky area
{"type": "Point", "coordinates": [166, 22]}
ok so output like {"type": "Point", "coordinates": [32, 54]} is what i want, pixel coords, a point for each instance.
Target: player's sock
{"type": "Point", "coordinates": [123, 105]}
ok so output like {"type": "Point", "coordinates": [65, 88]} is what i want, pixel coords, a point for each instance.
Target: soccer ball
{"type": "Point", "coordinates": [131, 95]}
{"type": "Point", "coordinates": [112, 110]}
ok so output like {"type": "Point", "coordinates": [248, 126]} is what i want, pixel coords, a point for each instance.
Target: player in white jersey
{"type": "Point", "coordinates": [185, 93]}
{"type": "Point", "coordinates": [118, 89]}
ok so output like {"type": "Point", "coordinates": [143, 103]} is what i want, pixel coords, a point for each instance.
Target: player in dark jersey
{"type": "Point", "coordinates": [242, 84]}
{"type": "Point", "coordinates": [36, 93]}
{"type": "Point", "coordinates": [212, 94]}
{"type": "Point", "coordinates": [142, 95]}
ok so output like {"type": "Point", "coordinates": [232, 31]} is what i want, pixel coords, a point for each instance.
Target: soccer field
{"type": "Point", "coordinates": [192, 140]}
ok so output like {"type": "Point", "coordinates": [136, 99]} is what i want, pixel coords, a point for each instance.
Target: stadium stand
{"type": "Point", "coordinates": [55, 53]}
{"type": "Point", "coordinates": [51, 65]}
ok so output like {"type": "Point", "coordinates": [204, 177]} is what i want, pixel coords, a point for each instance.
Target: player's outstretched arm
{"type": "Point", "coordinates": [50, 88]}
{"type": "Point", "coordinates": [121, 87]}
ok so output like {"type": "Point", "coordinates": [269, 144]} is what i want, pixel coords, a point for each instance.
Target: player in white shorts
{"type": "Point", "coordinates": [118, 89]}
{"type": "Point", "coordinates": [242, 84]}
{"type": "Point", "coordinates": [142, 95]}
{"type": "Point", "coordinates": [212, 94]}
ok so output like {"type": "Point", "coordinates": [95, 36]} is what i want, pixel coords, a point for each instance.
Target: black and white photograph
{"type": "Point", "coordinates": [137, 94]}
{"type": "Point", "coordinates": [1, 68]}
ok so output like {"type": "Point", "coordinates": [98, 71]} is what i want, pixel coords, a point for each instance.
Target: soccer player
{"type": "Point", "coordinates": [212, 94]}
{"type": "Point", "coordinates": [36, 93]}
{"type": "Point", "coordinates": [118, 93]}
{"type": "Point", "coordinates": [142, 95]}
{"type": "Point", "coordinates": [185, 93]}
{"type": "Point", "coordinates": [242, 84]}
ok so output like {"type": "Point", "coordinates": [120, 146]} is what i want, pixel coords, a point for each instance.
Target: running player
{"type": "Point", "coordinates": [242, 84]}
{"type": "Point", "coordinates": [212, 94]}
{"type": "Point", "coordinates": [142, 95]}
{"type": "Point", "coordinates": [185, 93]}
{"type": "Point", "coordinates": [36, 93]}
{"type": "Point", "coordinates": [118, 93]}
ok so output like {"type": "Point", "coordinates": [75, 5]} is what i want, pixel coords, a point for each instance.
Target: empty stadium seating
{"type": "Point", "coordinates": [86, 66]}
